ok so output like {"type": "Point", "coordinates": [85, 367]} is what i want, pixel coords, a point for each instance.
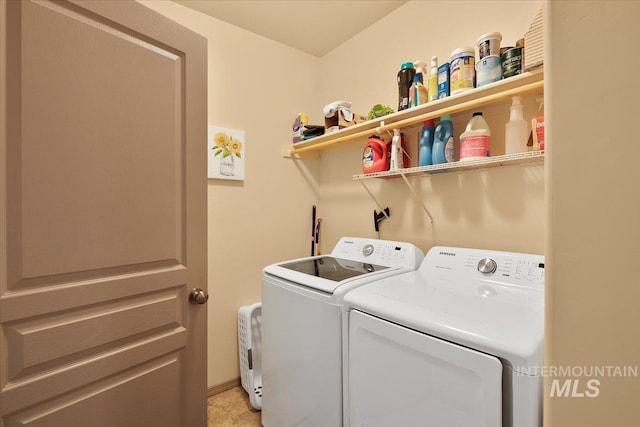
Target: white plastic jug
{"type": "Point", "coordinates": [475, 141]}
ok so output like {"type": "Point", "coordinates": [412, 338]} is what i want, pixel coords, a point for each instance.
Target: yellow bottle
{"type": "Point", "coordinates": [433, 80]}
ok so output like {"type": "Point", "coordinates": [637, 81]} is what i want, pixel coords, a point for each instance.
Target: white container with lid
{"type": "Point", "coordinates": [489, 45]}
{"type": "Point", "coordinates": [488, 70]}
{"type": "Point", "coordinates": [462, 70]}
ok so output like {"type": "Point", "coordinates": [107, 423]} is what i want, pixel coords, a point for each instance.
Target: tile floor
{"type": "Point", "coordinates": [232, 408]}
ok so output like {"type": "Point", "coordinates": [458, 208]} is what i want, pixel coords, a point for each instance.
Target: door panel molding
{"type": "Point", "coordinates": [79, 134]}
{"type": "Point", "coordinates": [98, 399]}
{"type": "Point", "coordinates": [38, 343]}
{"type": "Point", "coordinates": [30, 390]}
{"type": "Point", "coordinates": [79, 277]}
{"type": "Point", "coordinates": [66, 295]}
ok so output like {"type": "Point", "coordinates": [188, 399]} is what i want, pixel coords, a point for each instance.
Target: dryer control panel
{"type": "Point", "coordinates": [506, 267]}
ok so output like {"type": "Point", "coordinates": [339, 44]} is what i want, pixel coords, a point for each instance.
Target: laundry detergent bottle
{"type": "Point", "coordinates": [425, 147]}
{"type": "Point", "coordinates": [374, 156]}
{"type": "Point", "coordinates": [443, 141]}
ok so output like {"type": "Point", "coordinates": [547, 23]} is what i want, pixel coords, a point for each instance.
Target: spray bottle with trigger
{"type": "Point", "coordinates": [418, 91]}
{"type": "Point", "coordinates": [397, 161]}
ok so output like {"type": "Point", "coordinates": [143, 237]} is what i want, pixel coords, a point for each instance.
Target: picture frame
{"type": "Point", "coordinates": [226, 148]}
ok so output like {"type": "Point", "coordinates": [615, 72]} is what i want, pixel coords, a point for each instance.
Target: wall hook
{"type": "Point", "coordinates": [379, 216]}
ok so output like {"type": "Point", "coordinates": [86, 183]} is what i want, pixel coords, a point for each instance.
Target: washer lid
{"type": "Point", "coordinates": [352, 260]}
{"type": "Point", "coordinates": [325, 273]}
{"type": "Point", "coordinates": [500, 317]}
{"type": "Point", "coordinates": [330, 268]}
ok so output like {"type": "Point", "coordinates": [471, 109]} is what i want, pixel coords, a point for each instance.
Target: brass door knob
{"type": "Point", "coordinates": [198, 296]}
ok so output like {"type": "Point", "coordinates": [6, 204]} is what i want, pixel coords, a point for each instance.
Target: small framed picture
{"type": "Point", "coordinates": [226, 153]}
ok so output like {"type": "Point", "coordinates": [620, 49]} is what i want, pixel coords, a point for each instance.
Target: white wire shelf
{"type": "Point", "coordinates": [489, 162]}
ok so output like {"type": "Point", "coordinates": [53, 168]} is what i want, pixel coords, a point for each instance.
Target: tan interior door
{"type": "Point", "coordinates": [103, 216]}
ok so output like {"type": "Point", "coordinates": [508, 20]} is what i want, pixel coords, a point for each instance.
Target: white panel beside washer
{"type": "Point", "coordinates": [485, 305]}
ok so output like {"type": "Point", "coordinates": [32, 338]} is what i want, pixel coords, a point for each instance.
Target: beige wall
{"type": "Point", "coordinates": [258, 86]}
{"type": "Point", "coordinates": [498, 209]}
{"type": "Point", "coordinates": [589, 202]}
{"type": "Point", "coordinates": [593, 206]}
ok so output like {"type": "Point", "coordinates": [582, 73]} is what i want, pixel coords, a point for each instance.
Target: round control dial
{"type": "Point", "coordinates": [367, 250]}
{"type": "Point", "coordinates": [487, 266]}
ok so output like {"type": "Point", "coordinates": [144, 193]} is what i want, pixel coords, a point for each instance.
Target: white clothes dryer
{"type": "Point", "coordinates": [302, 327]}
{"type": "Point", "coordinates": [459, 342]}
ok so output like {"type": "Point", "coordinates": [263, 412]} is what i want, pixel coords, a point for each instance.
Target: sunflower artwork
{"type": "Point", "coordinates": [226, 153]}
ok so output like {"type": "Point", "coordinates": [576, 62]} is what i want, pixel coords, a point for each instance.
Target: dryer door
{"type": "Point", "coordinates": [397, 376]}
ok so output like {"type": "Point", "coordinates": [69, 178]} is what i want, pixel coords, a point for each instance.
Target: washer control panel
{"type": "Point", "coordinates": [380, 252]}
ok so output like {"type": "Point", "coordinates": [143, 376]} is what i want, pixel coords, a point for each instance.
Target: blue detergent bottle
{"type": "Point", "coordinates": [443, 135]}
{"type": "Point", "coordinates": [425, 147]}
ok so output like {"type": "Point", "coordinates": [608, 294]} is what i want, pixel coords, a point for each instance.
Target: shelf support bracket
{"type": "Point", "coordinates": [374, 199]}
{"type": "Point", "coordinates": [424, 207]}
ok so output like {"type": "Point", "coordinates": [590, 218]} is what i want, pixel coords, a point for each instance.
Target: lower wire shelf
{"type": "Point", "coordinates": [489, 162]}
{"type": "Point", "coordinates": [471, 164]}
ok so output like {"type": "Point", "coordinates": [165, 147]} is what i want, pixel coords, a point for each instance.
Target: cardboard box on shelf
{"type": "Point", "coordinates": [342, 119]}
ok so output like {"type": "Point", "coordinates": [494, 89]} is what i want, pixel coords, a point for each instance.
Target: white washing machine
{"type": "Point", "coordinates": [302, 327]}
{"type": "Point", "coordinates": [458, 342]}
